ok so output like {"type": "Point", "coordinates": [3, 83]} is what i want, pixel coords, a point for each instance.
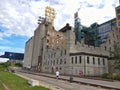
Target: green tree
{"type": "Point", "coordinates": [7, 64]}
{"type": "Point", "coordinates": [116, 56]}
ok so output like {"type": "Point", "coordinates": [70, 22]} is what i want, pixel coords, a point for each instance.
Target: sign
{"type": "Point", "coordinates": [80, 72]}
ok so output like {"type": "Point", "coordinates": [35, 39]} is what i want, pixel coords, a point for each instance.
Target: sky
{"type": "Point", "coordinates": [19, 18]}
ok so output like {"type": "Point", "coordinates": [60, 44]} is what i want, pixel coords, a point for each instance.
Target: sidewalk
{"type": "Point", "coordinates": [55, 84]}
{"type": "Point", "coordinates": [107, 84]}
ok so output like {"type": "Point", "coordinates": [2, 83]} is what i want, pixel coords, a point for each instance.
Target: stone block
{"type": "Point", "coordinates": [33, 82]}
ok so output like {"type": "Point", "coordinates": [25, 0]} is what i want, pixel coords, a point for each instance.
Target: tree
{"type": "Point", "coordinates": [116, 56]}
{"type": "Point", "coordinates": [7, 64]}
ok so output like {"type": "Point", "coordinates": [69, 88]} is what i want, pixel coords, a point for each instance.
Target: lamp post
{"type": "Point", "coordinates": [71, 76]}
{"type": "Point", "coordinates": [84, 66]}
{"type": "Point", "coordinates": [71, 70]}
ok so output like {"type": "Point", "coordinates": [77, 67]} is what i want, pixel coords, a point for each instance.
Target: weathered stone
{"type": "Point", "coordinates": [33, 82]}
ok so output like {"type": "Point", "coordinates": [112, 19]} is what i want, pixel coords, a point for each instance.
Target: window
{"type": "Point", "coordinates": [48, 62]}
{"type": "Point", "coordinates": [93, 60]}
{"type": "Point", "coordinates": [64, 61]}
{"type": "Point", "coordinates": [60, 61]}
{"type": "Point", "coordinates": [51, 55]}
{"type": "Point", "coordinates": [113, 35]}
{"type": "Point", "coordinates": [105, 48]}
{"type": "Point", "coordinates": [48, 34]}
{"type": "Point", "coordinates": [103, 61]}
{"type": "Point", "coordinates": [54, 62]}
{"type": "Point", "coordinates": [118, 23]}
{"type": "Point", "coordinates": [51, 62]}
{"type": "Point", "coordinates": [60, 68]}
{"type": "Point", "coordinates": [57, 61]}
{"type": "Point", "coordinates": [72, 60]}
{"type": "Point", "coordinates": [114, 42]}
{"type": "Point", "coordinates": [98, 61]}
{"type": "Point", "coordinates": [118, 10]}
{"type": "Point", "coordinates": [54, 55]}
{"type": "Point", "coordinates": [79, 59]}
{"type": "Point", "coordinates": [61, 52]}
{"type": "Point", "coordinates": [88, 60]}
{"type": "Point", "coordinates": [109, 42]}
{"type": "Point", "coordinates": [44, 57]}
{"type": "Point", "coordinates": [117, 36]}
{"type": "Point", "coordinates": [47, 41]}
{"type": "Point", "coordinates": [109, 48]}
{"type": "Point", "coordinates": [65, 51]}
{"type": "Point", "coordinates": [76, 60]}
{"type": "Point", "coordinates": [118, 16]}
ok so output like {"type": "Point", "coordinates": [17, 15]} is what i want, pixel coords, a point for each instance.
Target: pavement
{"type": "Point", "coordinates": [54, 84]}
{"type": "Point", "coordinates": [106, 84]}
{"type": "Point", "coordinates": [49, 81]}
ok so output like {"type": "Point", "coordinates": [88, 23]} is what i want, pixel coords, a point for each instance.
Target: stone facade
{"type": "Point", "coordinates": [28, 53]}
{"type": "Point", "coordinates": [74, 58]}
{"type": "Point", "coordinates": [52, 50]}
{"type": "Point", "coordinates": [37, 45]}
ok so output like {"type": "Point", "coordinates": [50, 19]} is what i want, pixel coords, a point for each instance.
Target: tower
{"type": "Point", "coordinates": [77, 28]}
{"type": "Point", "coordinates": [117, 9]}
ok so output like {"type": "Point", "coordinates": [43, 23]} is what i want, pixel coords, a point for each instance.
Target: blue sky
{"type": "Point", "coordinates": [18, 18]}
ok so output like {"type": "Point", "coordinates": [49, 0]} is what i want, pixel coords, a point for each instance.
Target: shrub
{"type": "Point", "coordinates": [112, 76]}
{"type": "Point", "coordinates": [18, 65]}
{"type": "Point", "coordinates": [105, 75]}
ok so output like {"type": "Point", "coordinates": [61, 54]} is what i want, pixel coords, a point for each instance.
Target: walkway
{"type": "Point", "coordinates": [111, 84]}
{"type": "Point", "coordinates": [101, 83]}
{"type": "Point", "coordinates": [55, 84]}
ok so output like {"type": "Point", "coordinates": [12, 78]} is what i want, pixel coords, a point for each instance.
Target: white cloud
{"type": "Point", "coordinates": [17, 18]}
{"type": "Point", "coordinates": [1, 53]}
{"type": "Point", "coordinates": [11, 49]}
{"type": "Point", "coordinates": [20, 16]}
{"type": "Point", "coordinates": [97, 13]}
{"type": "Point", "coordinates": [90, 11]}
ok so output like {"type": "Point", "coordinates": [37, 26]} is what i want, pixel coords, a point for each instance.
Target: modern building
{"type": "Point", "coordinates": [14, 57]}
{"type": "Point", "coordinates": [79, 50]}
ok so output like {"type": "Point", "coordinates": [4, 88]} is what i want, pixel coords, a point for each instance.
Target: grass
{"type": "Point", "coordinates": [1, 86]}
{"type": "Point", "coordinates": [14, 82]}
{"type": "Point", "coordinates": [17, 83]}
